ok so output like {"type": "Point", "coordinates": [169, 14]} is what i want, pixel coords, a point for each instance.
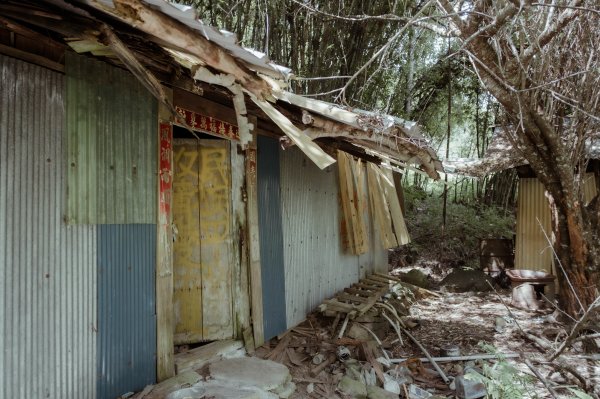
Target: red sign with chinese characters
{"type": "Point", "coordinates": [165, 170]}
{"type": "Point", "coordinates": [209, 124]}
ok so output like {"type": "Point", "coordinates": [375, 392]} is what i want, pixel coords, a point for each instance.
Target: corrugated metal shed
{"type": "Point", "coordinates": [271, 241]}
{"type": "Point", "coordinates": [126, 308]}
{"type": "Point", "coordinates": [112, 161]}
{"type": "Point", "coordinates": [532, 251]}
{"type": "Point", "coordinates": [47, 269]}
{"type": "Point", "coordinates": [315, 266]}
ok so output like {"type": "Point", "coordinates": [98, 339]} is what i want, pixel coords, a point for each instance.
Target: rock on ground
{"type": "Point", "coordinates": [467, 280]}
{"type": "Point", "coordinates": [353, 388]}
{"type": "Point", "coordinates": [250, 371]}
{"type": "Point", "coordinates": [416, 277]}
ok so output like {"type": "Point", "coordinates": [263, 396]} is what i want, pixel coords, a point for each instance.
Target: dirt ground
{"type": "Point", "coordinates": [463, 321]}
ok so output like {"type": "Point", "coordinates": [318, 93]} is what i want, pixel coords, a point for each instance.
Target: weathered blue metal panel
{"type": "Point", "coordinates": [126, 308]}
{"type": "Point", "coordinates": [271, 237]}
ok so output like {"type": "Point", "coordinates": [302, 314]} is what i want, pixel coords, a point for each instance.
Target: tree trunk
{"type": "Point", "coordinates": [576, 239]}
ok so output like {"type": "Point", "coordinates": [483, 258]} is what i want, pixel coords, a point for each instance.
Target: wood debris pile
{"type": "Point", "coordinates": [343, 350]}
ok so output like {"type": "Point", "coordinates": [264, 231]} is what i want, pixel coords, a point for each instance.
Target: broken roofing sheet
{"type": "Point", "coordinates": [154, 36]}
{"type": "Point", "coordinates": [501, 155]}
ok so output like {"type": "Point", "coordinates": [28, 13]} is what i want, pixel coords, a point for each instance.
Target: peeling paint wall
{"type": "Point", "coordinates": [47, 268]}
{"type": "Point", "coordinates": [315, 265]}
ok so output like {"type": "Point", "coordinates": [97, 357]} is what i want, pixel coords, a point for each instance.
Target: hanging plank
{"type": "Point", "coordinates": [304, 143]}
{"type": "Point", "coordinates": [380, 208]}
{"type": "Point", "coordinates": [391, 195]}
{"type": "Point", "coordinates": [351, 198]}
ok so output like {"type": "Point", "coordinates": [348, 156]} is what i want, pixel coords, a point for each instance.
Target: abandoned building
{"type": "Point", "coordinates": [533, 217]}
{"type": "Point", "coordinates": [160, 186]}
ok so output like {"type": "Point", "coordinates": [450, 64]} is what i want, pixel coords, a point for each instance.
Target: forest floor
{"type": "Point", "coordinates": [470, 323]}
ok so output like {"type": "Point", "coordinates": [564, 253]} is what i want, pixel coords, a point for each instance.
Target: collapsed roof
{"type": "Point", "coordinates": [164, 43]}
{"type": "Point", "coordinates": [501, 155]}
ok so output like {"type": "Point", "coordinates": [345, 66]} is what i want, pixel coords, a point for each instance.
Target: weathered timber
{"type": "Point", "coordinates": [354, 291]}
{"type": "Point", "coordinates": [352, 298]}
{"type": "Point", "coordinates": [256, 304]}
{"type": "Point", "coordinates": [197, 358]}
{"type": "Point", "coordinates": [185, 380]}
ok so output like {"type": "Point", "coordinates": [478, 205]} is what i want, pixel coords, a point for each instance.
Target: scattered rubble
{"type": "Point", "coordinates": [383, 338]}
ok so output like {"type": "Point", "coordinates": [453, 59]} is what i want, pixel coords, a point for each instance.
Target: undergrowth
{"type": "Point", "coordinates": [458, 245]}
{"type": "Point", "coordinates": [502, 380]}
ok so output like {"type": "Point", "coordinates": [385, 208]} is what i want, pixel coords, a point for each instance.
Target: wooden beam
{"type": "Point", "coordinates": [164, 252]}
{"type": "Point", "coordinates": [256, 291]}
{"type": "Point", "coordinates": [32, 58]}
{"type": "Point", "coordinates": [179, 36]}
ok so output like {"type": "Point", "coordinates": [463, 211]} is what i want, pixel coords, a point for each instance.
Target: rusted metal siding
{"type": "Point", "coordinates": [315, 265]}
{"type": "Point", "coordinates": [47, 268]}
{"type": "Point", "coordinates": [112, 161]}
{"type": "Point", "coordinates": [126, 308]}
{"type": "Point", "coordinates": [532, 250]}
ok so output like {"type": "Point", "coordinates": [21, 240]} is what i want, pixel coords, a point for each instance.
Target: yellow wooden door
{"type": "Point", "coordinates": [202, 258]}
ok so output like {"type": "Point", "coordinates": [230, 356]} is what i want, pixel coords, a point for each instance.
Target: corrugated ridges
{"type": "Point", "coordinates": [271, 240]}
{"type": "Point", "coordinates": [532, 250]}
{"type": "Point", "coordinates": [315, 265]}
{"type": "Point", "coordinates": [47, 269]}
{"type": "Point", "coordinates": [126, 308]}
{"type": "Point", "coordinates": [112, 144]}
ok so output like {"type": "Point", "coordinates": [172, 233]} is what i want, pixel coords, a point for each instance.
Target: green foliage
{"type": "Point", "coordinates": [465, 226]}
{"type": "Point", "coordinates": [501, 379]}
{"type": "Point", "coordinates": [579, 394]}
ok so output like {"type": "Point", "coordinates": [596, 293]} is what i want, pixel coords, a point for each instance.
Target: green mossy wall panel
{"type": "Point", "coordinates": [112, 145]}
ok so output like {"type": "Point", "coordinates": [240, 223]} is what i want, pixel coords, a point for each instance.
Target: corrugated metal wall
{"type": "Point", "coordinates": [271, 241]}
{"type": "Point", "coordinates": [532, 250]}
{"type": "Point", "coordinates": [47, 269]}
{"type": "Point", "coordinates": [315, 266]}
{"type": "Point", "coordinates": [126, 308]}
{"type": "Point", "coordinates": [112, 124]}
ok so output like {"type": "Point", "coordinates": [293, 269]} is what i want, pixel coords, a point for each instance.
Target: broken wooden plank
{"type": "Point", "coordinates": [197, 358]}
{"type": "Point", "coordinates": [380, 279]}
{"type": "Point", "coordinates": [354, 291]}
{"type": "Point", "coordinates": [386, 180]}
{"type": "Point", "coordinates": [365, 286]}
{"type": "Point", "coordinates": [304, 143]}
{"type": "Point", "coordinates": [380, 209]}
{"type": "Point", "coordinates": [415, 289]}
{"type": "Point", "coordinates": [368, 349]}
{"type": "Point", "coordinates": [333, 304]}
{"type": "Point", "coordinates": [352, 298]}
{"type": "Point", "coordinates": [353, 216]}
{"type": "Point", "coordinates": [357, 169]}
{"type": "Point", "coordinates": [316, 370]}
{"type": "Point", "coordinates": [377, 281]}
{"type": "Point", "coordinates": [280, 348]}
{"type": "Point", "coordinates": [173, 384]}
